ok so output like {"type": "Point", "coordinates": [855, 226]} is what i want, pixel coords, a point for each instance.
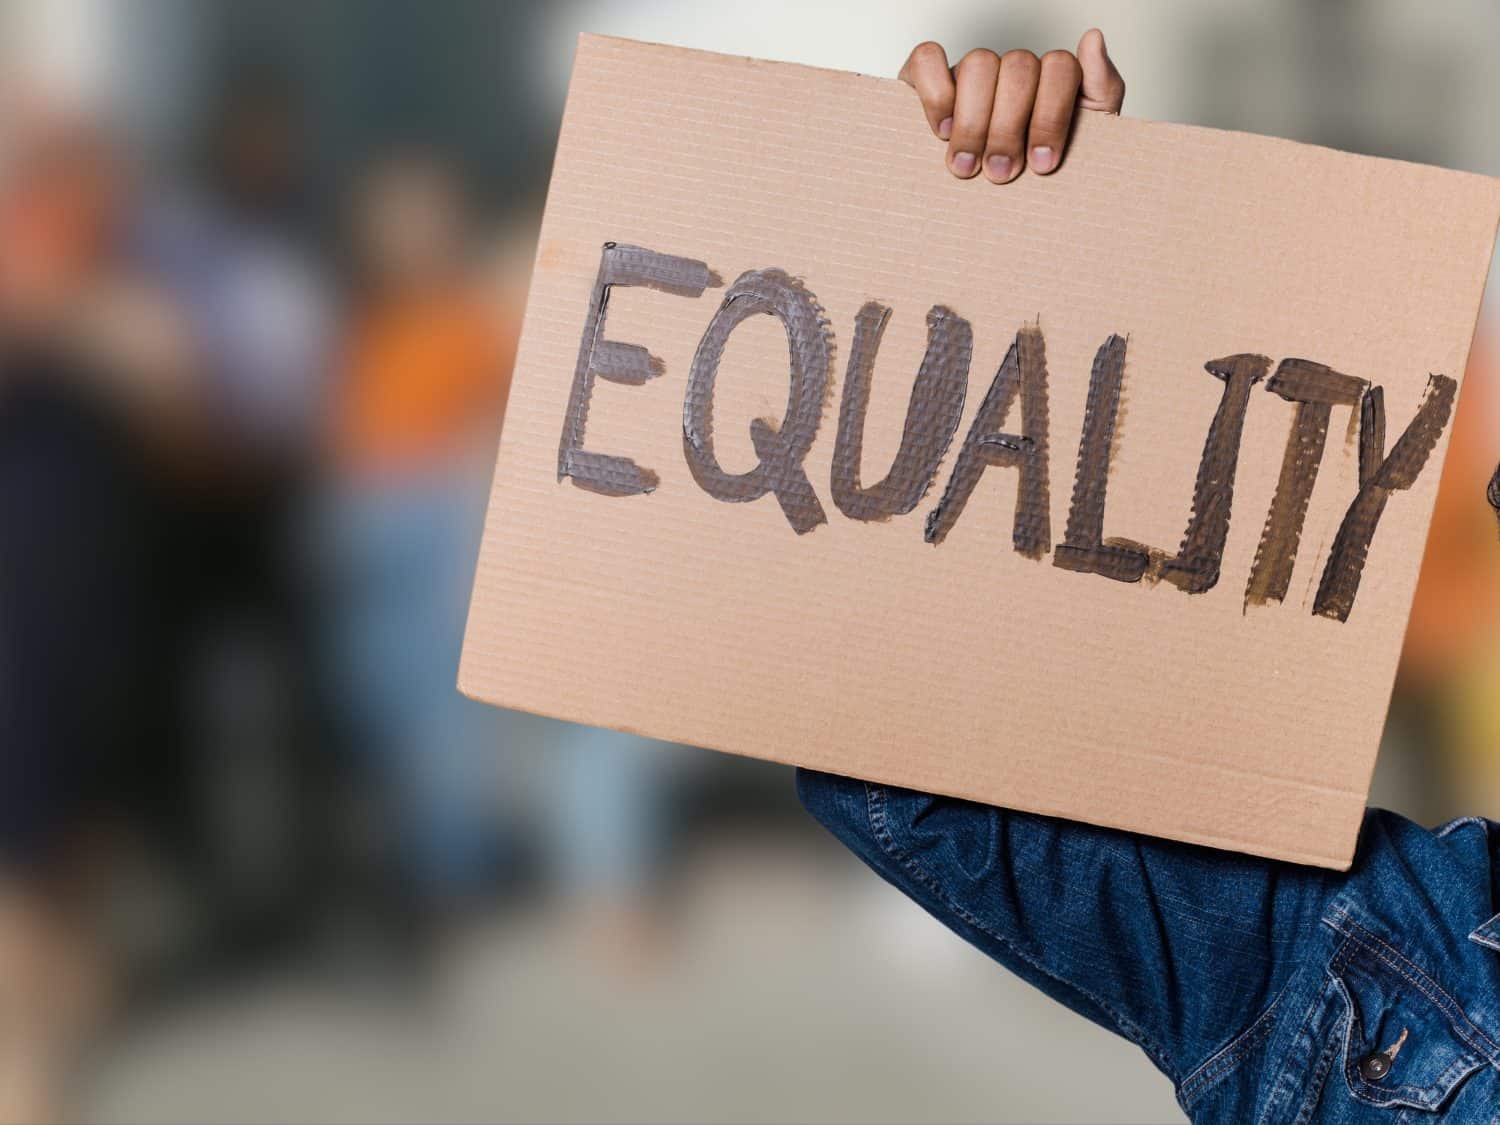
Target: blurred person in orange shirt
{"type": "Point", "coordinates": [426, 370]}
{"type": "Point", "coordinates": [419, 406]}
{"type": "Point", "coordinates": [416, 409]}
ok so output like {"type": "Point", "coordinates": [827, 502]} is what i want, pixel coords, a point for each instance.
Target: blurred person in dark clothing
{"type": "Point", "coordinates": [96, 402]}
{"type": "Point", "coordinates": [227, 241]}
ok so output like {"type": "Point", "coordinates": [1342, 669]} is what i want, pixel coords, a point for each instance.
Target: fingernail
{"type": "Point", "coordinates": [963, 164]}
{"type": "Point", "coordinates": [1043, 159]}
{"type": "Point", "coordinates": [945, 128]}
{"type": "Point", "coordinates": [998, 168]}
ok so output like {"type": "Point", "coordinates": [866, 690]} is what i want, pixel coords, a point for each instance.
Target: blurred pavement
{"type": "Point", "coordinates": [797, 988]}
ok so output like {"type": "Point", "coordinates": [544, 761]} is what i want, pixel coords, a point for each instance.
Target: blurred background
{"type": "Point", "coordinates": [262, 266]}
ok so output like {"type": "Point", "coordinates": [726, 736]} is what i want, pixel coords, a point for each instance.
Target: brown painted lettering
{"type": "Point", "coordinates": [932, 414]}
{"type": "Point", "coordinates": [1196, 567]}
{"type": "Point", "coordinates": [782, 448]}
{"type": "Point", "coordinates": [1316, 390]}
{"type": "Point", "coordinates": [615, 362]}
{"type": "Point", "coordinates": [1023, 372]}
{"type": "Point", "coordinates": [1399, 471]}
{"type": "Point", "coordinates": [1083, 548]}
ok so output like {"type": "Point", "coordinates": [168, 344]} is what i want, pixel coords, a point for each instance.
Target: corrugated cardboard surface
{"type": "Point", "coordinates": [965, 668]}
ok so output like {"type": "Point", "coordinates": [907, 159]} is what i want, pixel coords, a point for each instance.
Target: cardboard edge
{"type": "Point", "coordinates": [594, 41]}
{"type": "Point", "coordinates": [1463, 386]}
{"type": "Point", "coordinates": [491, 512]}
{"type": "Point", "coordinates": [1341, 861]}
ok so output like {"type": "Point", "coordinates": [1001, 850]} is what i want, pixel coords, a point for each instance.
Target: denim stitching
{"type": "Point", "coordinates": [1456, 1070]}
{"type": "Point", "coordinates": [1429, 1096]}
{"type": "Point", "coordinates": [1319, 1076]}
{"type": "Point", "coordinates": [875, 806]}
{"type": "Point", "coordinates": [1461, 822]}
{"type": "Point", "coordinates": [1286, 1081]}
{"type": "Point", "coordinates": [1458, 1018]}
{"type": "Point", "coordinates": [1229, 1056]}
{"type": "Point", "coordinates": [1389, 1096]}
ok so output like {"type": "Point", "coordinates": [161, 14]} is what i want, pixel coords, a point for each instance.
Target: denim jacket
{"type": "Point", "coordinates": [1267, 992]}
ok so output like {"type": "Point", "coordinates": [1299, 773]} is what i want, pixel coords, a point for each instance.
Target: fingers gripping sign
{"type": "Point", "coordinates": [1001, 114]}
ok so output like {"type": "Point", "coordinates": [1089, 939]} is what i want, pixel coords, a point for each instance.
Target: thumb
{"type": "Point", "coordinates": [1103, 89]}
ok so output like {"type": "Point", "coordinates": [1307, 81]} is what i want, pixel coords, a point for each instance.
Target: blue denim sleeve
{"type": "Point", "coordinates": [1175, 947]}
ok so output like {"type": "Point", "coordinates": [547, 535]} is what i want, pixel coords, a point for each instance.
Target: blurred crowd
{"type": "Point", "coordinates": [248, 411]}
{"type": "Point", "coordinates": [243, 464]}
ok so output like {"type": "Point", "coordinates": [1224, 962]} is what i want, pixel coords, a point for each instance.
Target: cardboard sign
{"type": "Point", "coordinates": [1100, 494]}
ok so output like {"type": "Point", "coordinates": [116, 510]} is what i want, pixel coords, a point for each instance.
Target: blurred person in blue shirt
{"type": "Point", "coordinates": [421, 385]}
{"type": "Point", "coordinates": [425, 371]}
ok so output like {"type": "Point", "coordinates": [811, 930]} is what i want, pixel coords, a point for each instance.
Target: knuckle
{"type": "Point", "coordinates": [1050, 124]}
{"type": "Point", "coordinates": [967, 137]}
{"type": "Point", "coordinates": [1007, 130]}
{"type": "Point", "coordinates": [1051, 135]}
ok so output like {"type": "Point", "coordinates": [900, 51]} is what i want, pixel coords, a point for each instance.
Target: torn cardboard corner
{"type": "Point", "coordinates": [1099, 495]}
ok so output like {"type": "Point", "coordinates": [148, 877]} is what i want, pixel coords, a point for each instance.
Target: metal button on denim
{"type": "Point", "coordinates": [1375, 1066]}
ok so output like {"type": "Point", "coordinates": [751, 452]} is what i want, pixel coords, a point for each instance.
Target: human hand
{"type": "Point", "coordinates": [1004, 113]}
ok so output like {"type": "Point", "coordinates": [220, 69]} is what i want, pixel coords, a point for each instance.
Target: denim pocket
{"type": "Point", "coordinates": [1407, 1043]}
